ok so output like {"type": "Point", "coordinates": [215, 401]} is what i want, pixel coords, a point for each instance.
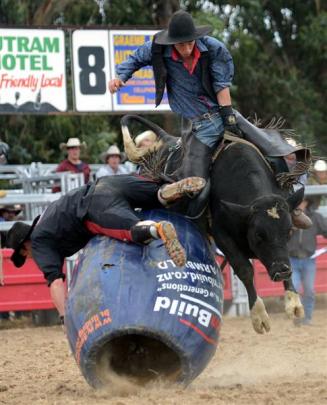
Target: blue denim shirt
{"type": "Point", "coordinates": [186, 94]}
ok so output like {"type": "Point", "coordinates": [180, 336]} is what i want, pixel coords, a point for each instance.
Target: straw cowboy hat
{"type": "Point", "coordinates": [320, 166]}
{"type": "Point", "coordinates": [72, 143]}
{"type": "Point", "coordinates": [113, 150]}
{"type": "Point", "coordinates": [181, 28]}
{"type": "Point", "coordinates": [150, 135]}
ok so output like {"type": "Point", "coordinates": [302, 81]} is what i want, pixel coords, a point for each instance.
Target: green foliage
{"type": "Point", "coordinates": [280, 53]}
{"type": "Point", "coordinates": [279, 49]}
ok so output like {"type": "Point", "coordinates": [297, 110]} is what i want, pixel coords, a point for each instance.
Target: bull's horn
{"type": "Point", "coordinates": [129, 145]}
{"type": "Point", "coordinates": [161, 134]}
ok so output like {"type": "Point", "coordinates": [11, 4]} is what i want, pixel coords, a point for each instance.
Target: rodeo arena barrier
{"type": "Point", "coordinates": [25, 289]}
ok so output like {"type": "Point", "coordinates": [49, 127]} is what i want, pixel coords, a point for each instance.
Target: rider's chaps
{"type": "Point", "coordinates": [197, 157]}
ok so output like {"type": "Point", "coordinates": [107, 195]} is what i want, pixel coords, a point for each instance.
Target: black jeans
{"type": "Point", "coordinates": [111, 210]}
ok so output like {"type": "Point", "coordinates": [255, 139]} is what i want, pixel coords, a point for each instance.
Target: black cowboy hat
{"type": "Point", "coordinates": [181, 28]}
{"type": "Point", "coordinates": [17, 235]}
{"type": "Point", "coordinates": [16, 208]}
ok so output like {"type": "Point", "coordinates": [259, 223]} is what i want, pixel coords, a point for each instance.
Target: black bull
{"type": "Point", "coordinates": [250, 214]}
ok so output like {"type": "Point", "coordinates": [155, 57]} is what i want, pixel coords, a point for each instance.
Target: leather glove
{"type": "Point", "coordinates": [229, 120]}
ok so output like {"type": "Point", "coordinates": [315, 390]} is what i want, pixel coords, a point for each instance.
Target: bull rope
{"type": "Point", "coordinates": [285, 180]}
{"type": "Point", "coordinates": [228, 136]}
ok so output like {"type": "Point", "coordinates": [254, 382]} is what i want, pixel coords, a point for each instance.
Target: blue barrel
{"type": "Point", "coordinates": [131, 312]}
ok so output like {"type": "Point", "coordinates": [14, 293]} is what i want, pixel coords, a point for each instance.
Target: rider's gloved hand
{"type": "Point", "coordinates": [229, 120]}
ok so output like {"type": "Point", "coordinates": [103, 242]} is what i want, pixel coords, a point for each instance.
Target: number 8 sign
{"type": "Point", "coordinates": [91, 70]}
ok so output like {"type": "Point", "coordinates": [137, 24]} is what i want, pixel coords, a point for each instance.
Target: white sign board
{"type": "Point", "coordinates": [91, 70]}
{"type": "Point", "coordinates": [32, 71]}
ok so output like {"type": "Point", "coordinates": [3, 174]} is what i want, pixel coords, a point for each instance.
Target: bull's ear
{"type": "Point", "coordinates": [241, 211]}
{"type": "Point", "coordinates": [295, 199]}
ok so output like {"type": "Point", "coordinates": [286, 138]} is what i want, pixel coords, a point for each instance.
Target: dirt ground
{"type": "Point", "coordinates": [289, 365]}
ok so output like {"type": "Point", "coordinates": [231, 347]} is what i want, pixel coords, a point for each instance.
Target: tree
{"type": "Point", "coordinates": [280, 52]}
{"type": "Point", "coordinates": [279, 49]}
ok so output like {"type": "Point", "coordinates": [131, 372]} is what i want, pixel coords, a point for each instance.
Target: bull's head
{"type": "Point", "coordinates": [268, 228]}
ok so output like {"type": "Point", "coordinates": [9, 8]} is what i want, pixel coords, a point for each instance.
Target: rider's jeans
{"type": "Point", "coordinates": [209, 130]}
{"type": "Point", "coordinates": [303, 277]}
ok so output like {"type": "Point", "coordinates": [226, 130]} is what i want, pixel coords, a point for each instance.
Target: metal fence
{"type": "Point", "coordinates": [36, 182]}
{"type": "Point", "coordinates": [34, 185]}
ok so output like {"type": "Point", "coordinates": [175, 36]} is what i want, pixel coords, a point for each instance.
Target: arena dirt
{"type": "Point", "coordinates": [289, 365]}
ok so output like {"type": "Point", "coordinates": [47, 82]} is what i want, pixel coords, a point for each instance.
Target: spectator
{"type": "Point", "coordinates": [319, 176]}
{"type": "Point", "coordinates": [112, 159]}
{"type": "Point", "coordinates": [302, 246]}
{"type": "Point", "coordinates": [73, 163]}
{"type": "Point", "coordinates": [9, 212]}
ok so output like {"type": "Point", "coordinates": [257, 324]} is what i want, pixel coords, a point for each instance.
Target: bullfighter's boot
{"type": "Point", "coordinates": [145, 231]}
{"type": "Point", "coordinates": [174, 191]}
{"type": "Point", "coordinates": [168, 235]}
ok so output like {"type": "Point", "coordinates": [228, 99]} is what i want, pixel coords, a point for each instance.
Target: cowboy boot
{"type": "Point", "coordinates": [197, 159]}
{"type": "Point", "coordinates": [174, 191]}
{"type": "Point", "coordinates": [145, 231]}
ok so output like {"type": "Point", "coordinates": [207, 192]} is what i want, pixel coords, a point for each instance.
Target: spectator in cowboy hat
{"type": "Point", "coordinates": [112, 159]}
{"type": "Point", "coordinates": [73, 163]}
{"type": "Point", "coordinates": [319, 172]}
{"type": "Point", "coordinates": [9, 212]}
{"type": "Point", "coordinates": [319, 176]}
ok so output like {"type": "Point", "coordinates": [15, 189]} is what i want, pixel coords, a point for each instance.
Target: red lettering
{"type": "Point", "coordinates": [215, 322]}
{"type": "Point", "coordinates": [92, 324]}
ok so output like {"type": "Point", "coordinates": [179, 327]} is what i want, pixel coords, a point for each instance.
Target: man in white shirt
{"type": "Point", "coordinates": [112, 167]}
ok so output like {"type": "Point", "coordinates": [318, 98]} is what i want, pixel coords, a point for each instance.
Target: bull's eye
{"type": "Point", "coordinates": [260, 236]}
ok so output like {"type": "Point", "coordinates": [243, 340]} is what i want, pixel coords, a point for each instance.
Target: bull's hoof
{"type": "Point", "coordinates": [259, 316]}
{"type": "Point", "coordinates": [293, 305]}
